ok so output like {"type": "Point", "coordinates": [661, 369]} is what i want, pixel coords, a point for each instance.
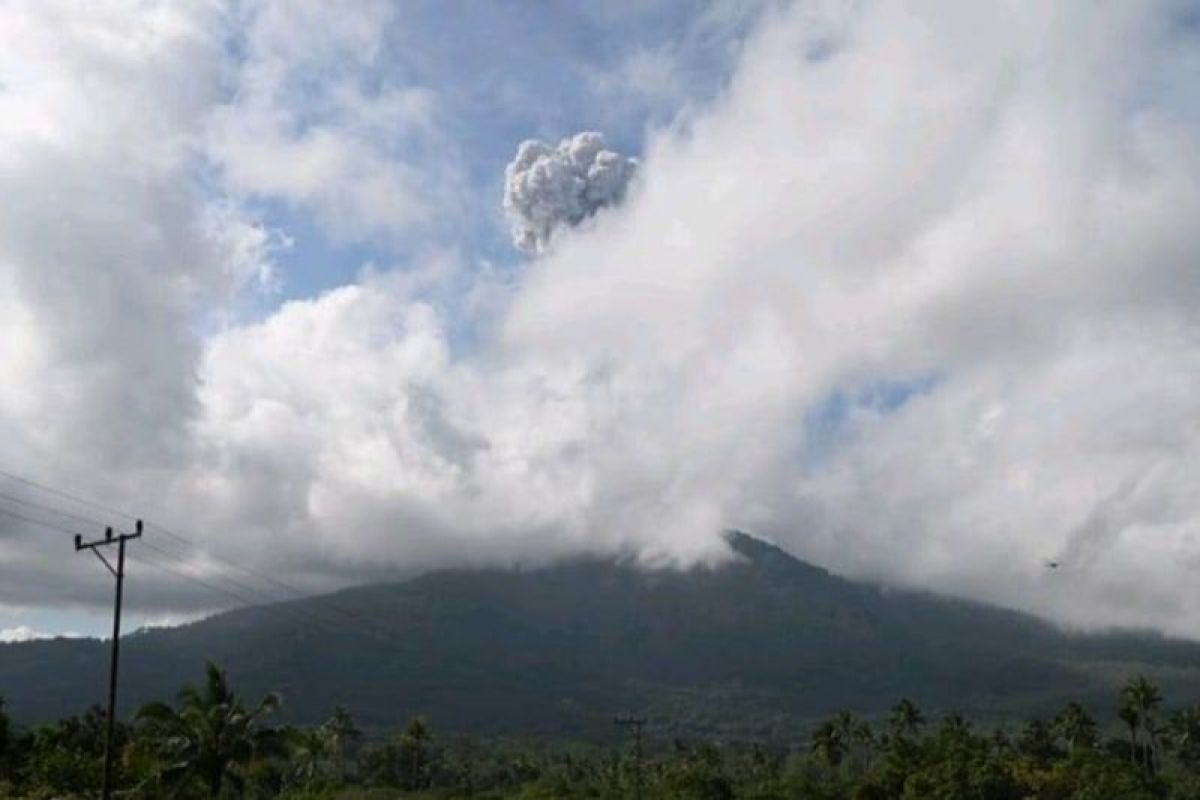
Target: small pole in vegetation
{"type": "Point", "coordinates": [637, 723]}
{"type": "Point", "coordinates": [115, 646]}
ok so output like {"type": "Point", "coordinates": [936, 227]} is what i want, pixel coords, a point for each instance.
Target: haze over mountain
{"type": "Point", "coordinates": [754, 647]}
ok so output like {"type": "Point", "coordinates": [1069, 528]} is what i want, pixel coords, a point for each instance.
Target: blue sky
{"type": "Point", "coordinates": [908, 287]}
{"type": "Point", "coordinates": [504, 72]}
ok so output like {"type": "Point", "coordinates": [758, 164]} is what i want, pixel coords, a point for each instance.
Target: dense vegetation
{"type": "Point", "coordinates": [213, 743]}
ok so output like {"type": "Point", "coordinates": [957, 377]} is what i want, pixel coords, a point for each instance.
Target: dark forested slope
{"type": "Point", "coordinates": [749, 648]}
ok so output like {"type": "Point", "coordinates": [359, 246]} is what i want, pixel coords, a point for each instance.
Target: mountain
{"type": "Point", "coordinates": [752, 648]}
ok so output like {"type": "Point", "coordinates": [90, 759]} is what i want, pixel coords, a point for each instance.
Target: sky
{"type": "Point", "coordinates": [333, 292]}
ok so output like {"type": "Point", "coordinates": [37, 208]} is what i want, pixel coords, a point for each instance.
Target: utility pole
{"type": "Point", "coordinates": [637, 723]}
{"type": "Point", "coordinates": [115, 647]}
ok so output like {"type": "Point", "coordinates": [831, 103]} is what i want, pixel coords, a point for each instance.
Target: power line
{"type": "Point", "coordinates": [262, 594]}
{"type": "Point", "coordinates": [283, 607]}
{"type": "Point", "coordinates": [71, 532]}
{"type": "Point", "coordinates": [366, 624]}
{"type": "Point", "coordinates": [285, 610]}
{"type": "Point", "coordinates": [41, 522]}
{"type": "Point", "coordinates": [297, 616]}
{"type": "Point", "coordinates": [66, 495]}
{"type": "Point", "coordinates": [299, 593]}
{"type": "Point", "coordinates": [264, 599]}
{"type": "Point", "coordinates": [115, 645]}
{"type": "Point", "coordinates": [360, 624]}
{"type": "Point", "coordinates": [52, 509]}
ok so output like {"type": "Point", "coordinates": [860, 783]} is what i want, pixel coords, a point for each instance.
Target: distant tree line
{"type": "Point", "coordinates": [212, 743]}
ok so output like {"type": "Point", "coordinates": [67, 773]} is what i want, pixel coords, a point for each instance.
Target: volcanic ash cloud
{"type": "Point", "coordinates": [548, 187]}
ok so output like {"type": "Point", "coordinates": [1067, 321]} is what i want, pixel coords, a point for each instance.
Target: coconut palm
{"type": "Point", "coordinates": [209, 737]}
{"type": "Point", "coordinates": [856, 737]}
{"type": "Point", "coordinates": [1142, 698]}
{"type": "Point", "coordinates": [1129, 715]}
{"type": "Point", "coordinates": [828, 743]}
{"type": "Point", "coordinates": [1184, 736]}
{"type": "Point", "coordinates": [955, 727]}
{"type": "Point", "coordinates": [1075, 726]}
{"type": "Point", "coordinates": [343, 735]}
{"type": "Point", "coordinates": [310, 756]}
{"type": "Point", "coordinates": [906, 718]}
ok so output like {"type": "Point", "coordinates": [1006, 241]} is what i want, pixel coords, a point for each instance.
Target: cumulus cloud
{"type": "Point", "coordinates": [102, 264]}
{"type": "Point", "coordinates": [24, 633]}
{"type": "Point", "coordinates": [20, 633]}
{"type": "Point", "coordinates": [550, 187]}
{"type": "Point", "coordinates": [914, 297]}
{"type": "Point", "coordinates": [315, 121]}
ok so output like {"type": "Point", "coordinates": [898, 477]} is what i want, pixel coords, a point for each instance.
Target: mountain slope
{"type": "Point", "coordinates": [753, 647]}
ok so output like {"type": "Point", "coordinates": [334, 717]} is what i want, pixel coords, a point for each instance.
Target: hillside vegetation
{"type": "Point", "coordinates": [749, 651]}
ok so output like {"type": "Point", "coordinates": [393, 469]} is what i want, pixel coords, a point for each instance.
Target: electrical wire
{"type": "Point", "coordinates": [364, 624]}
{"type": "Point", "coordinates": [41, 522]}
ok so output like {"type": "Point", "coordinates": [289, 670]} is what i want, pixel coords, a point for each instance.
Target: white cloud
{"type": "Point", "coordinates": [915, 297]}
{"type": "Point", "coordinates": [101, 262]}
{"type": "Point", "coordinates": [21, 633]}
{"type": "Point", "coordinates": [315, 120]}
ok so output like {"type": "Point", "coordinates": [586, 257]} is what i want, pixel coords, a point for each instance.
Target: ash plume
{"type": "Point", "coordinates": [548, 187]}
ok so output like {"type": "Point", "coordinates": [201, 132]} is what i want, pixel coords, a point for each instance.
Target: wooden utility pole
{"type": "Point", "coordinates": [115, 646]}
{"type": "Point", "coordinates": [637, 723]}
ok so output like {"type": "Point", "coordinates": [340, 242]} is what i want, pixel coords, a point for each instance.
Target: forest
{"type": "Point", "coordinates": [210, 742]}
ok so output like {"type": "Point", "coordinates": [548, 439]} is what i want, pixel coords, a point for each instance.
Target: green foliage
{"type": "Point", "coordinates": [211, 744]}
{"type": "Point", "coordinates": [406, 761]}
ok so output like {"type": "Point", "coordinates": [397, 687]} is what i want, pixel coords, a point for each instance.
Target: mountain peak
{"type": "Point", "coordinates": [765, 555]}
{"type": "Point", "coordinates": [767, 641]}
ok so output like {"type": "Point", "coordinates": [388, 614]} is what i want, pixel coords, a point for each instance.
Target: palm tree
{"type": "Point", "coordinates": [1129, 715]}
{"type": "Point", "coordinates": [1075, 726]}
{"type": "Point", "coordinates": [906, 718]}
{"type": "Point", "coordinates": [1184, 733]}
{"type": "Point", "coordinates": [343, 734]}
{"type": "Point", "coordinates": [414, 742]}
{"type": "Point", "coordinates": [4, 730]}
{"type": "Point", "coordinates": [1143, 698]}
{"type": "Point", "coordinates": [209, 736]}
{"type": "Point", "coordinates": [309, 751]}
{"type": "Point", "coordinates": [827, 742]}
{"type": "Point", "coordinates": [955, 727]}
{"type": "Point", "coordinates": [1037, 741]}
{"type": "Point", "coordinates": [856, 736]}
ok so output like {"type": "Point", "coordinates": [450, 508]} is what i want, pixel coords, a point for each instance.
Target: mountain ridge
{"type": "Point", "coordinates": [754, 647]}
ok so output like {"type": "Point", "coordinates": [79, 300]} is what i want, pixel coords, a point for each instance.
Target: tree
{"type": "Point", "coordinates": [343, 735]}
{"type": "Point", "coordinates": [906, 718]}
{"type": "Point", "coordinates": [66, 757]}
{"type": "Point", "coordinates": [1183, 732]}
{"type": "Point", "coordinates": [700, 775]}
{"type": "Point", "coordinates": [405, 761]}
{"type": "Point", "coordinates": [5, 742]}
{"type": "Point", "coordinates": [955, 728]}
{"type": "Point", "coordinates": [1129, 715]}
{"type": "Point", "coordinates": [1076, 727]}
{"type": "Point", "coordinates": [310, 757]}
{"type": "Point", "coordinates": [1037, 742]}
{"type": "Point", "coordinates": [210, 737]}
{"type": "Point", "coordinates": [4, 731]}
{"type": "Point", "coordinates": [828, 743]}
{"type": "Point", "coordinates": [857, 738]}
{"type": "Point", "coordinates": [1140, 700]}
